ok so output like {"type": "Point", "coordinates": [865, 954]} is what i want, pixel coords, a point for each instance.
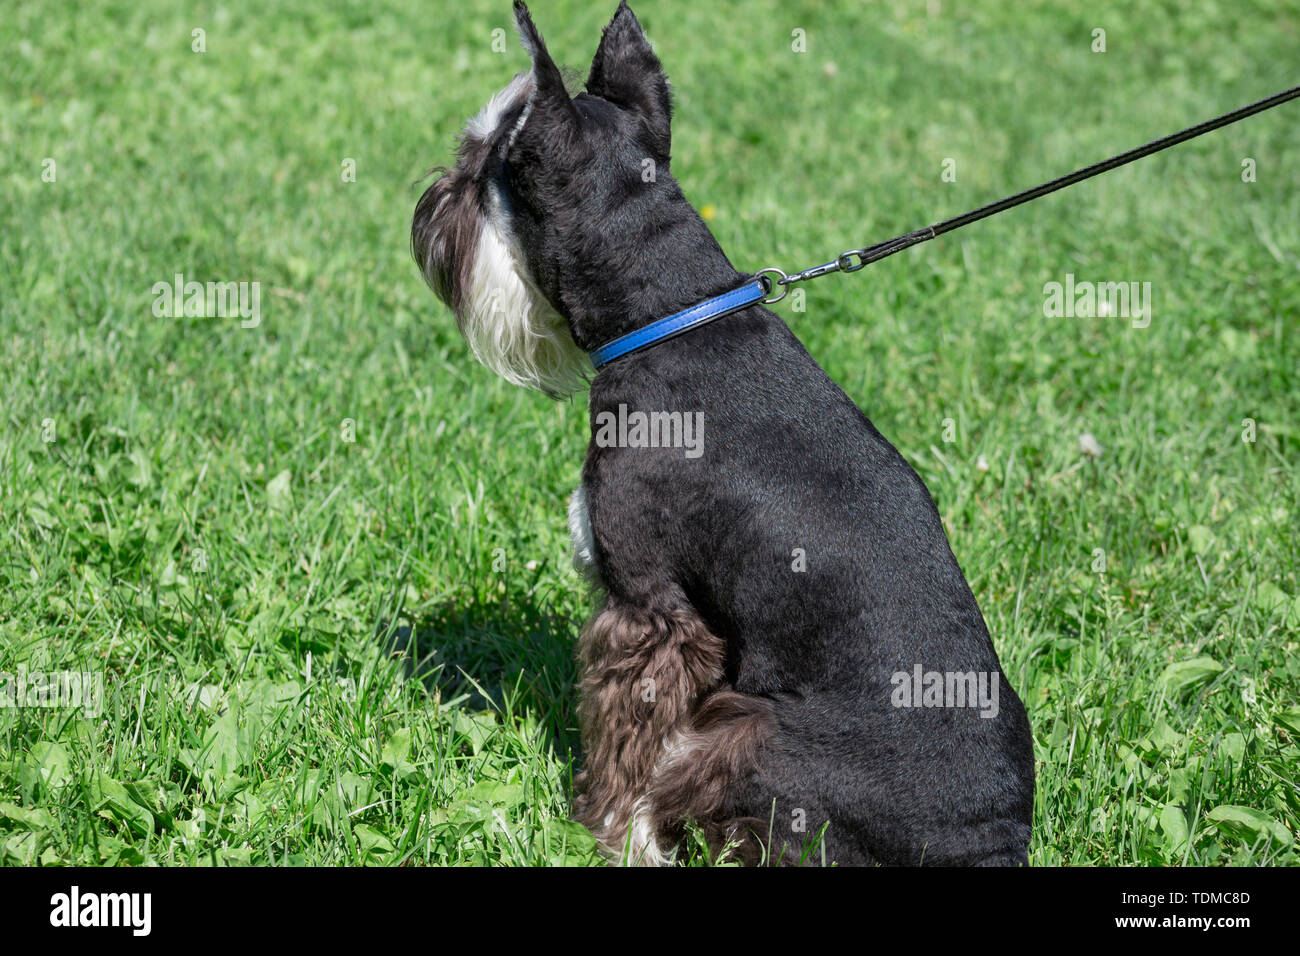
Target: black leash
{"type": "Point", "coordinates": [845, 262]}
{"type": "Point", "coordinates": [762, 286]}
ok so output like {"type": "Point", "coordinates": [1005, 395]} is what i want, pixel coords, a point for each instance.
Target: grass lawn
{"type": "Point", "coordinates": [321, 565]}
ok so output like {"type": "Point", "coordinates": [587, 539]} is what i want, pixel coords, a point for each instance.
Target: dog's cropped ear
{"type": "Point", "coordinates": [626, 72]}
{"type": "Point", "coordinates": [550, 115]}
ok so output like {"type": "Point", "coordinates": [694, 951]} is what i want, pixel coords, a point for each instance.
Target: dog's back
{"type": "Point", "coordinates": [809, 546]}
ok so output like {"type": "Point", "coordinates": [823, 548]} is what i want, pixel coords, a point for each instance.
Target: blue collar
{"type": "Point", "coordinates": [680, 322]}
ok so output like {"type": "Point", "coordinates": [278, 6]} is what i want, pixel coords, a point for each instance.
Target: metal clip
{"type": "Point", "coordinates": [770, 284]}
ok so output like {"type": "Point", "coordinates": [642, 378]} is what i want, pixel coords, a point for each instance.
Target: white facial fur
{"type": "Point", "coordinates": [509, 325]}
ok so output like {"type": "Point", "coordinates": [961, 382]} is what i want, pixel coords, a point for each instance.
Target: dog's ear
{"type": "Point", "coordinates": [626, 72]}
{"type": "Point", "coordinates": [550, 114]}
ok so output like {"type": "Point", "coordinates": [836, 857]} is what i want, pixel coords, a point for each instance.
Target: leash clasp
{"type": "Point", "coordinates": [841, 263]}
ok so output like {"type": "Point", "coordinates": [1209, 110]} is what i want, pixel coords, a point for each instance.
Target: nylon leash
{"type": "Point", "coordinates": [855, 259]}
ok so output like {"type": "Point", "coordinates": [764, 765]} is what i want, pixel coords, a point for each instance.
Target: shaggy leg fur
{"type": "Point", "coordinates": [698, 768]}
{"type": "Point", "coordinates": [660, 745]}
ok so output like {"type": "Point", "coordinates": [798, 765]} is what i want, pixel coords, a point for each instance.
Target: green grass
{"type": "Point", "coordinates": [200, 533]}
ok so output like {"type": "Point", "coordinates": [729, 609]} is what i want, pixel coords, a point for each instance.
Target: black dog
{"type": "Point", "coordinates": [787, 649]}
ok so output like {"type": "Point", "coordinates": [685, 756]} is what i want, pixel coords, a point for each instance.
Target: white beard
{"type": "Point", "coordinates": [509, 324]}
{"type": "Point", "coordinates": [507, 321]}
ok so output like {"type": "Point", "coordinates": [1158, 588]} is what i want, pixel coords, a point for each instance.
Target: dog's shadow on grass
{"type": "Point", "coordinates": [507, 657]}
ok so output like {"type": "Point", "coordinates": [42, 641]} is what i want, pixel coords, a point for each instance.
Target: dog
{"type": "Point", "coordinates": [787, 662]}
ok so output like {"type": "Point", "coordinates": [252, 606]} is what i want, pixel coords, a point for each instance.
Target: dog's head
{"type": "Point", "coordinates": [545, 204]}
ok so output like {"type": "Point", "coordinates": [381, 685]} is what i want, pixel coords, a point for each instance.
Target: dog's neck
{"type": "Point", "coordinates": [679, 267]}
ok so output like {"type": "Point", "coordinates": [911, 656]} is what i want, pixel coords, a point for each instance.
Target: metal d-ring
{"type": "Point", "coordinates": [769, 284]}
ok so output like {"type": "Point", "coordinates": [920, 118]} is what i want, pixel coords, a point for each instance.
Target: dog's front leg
{"type": "Point", "coordinates": [643, 673]}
